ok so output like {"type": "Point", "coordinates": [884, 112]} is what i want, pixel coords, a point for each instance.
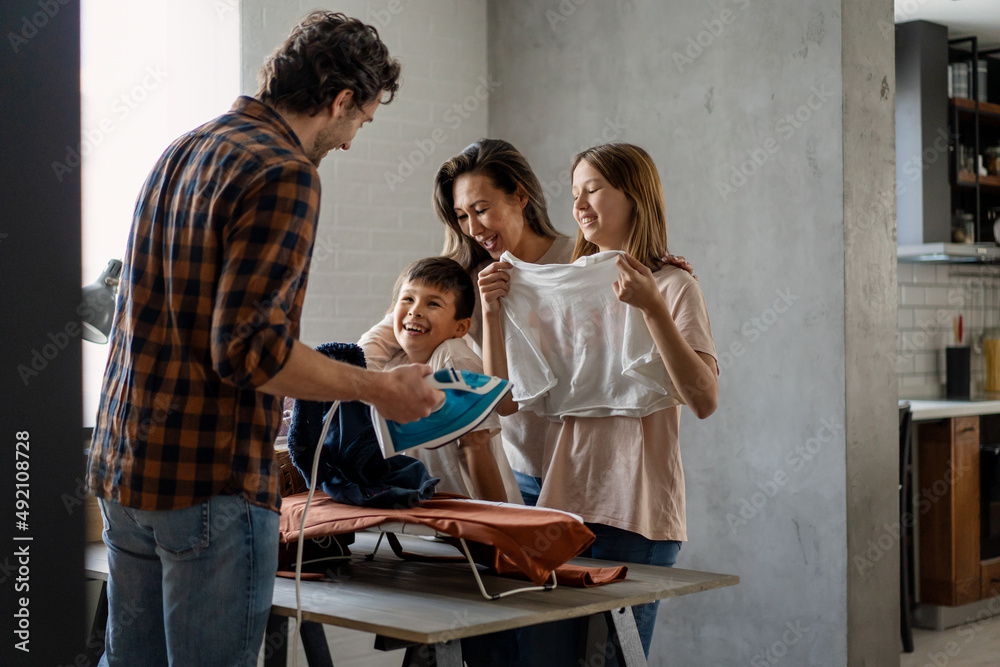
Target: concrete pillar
{"type": "Point", "coordinates": [872, 429]}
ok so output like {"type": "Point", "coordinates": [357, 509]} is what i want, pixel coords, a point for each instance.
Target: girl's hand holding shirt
{"type": "Point", "coordinates": [636, 286]}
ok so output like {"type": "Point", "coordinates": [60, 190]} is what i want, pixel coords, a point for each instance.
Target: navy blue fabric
{"type": "Point", "coordinates": [351, 468]}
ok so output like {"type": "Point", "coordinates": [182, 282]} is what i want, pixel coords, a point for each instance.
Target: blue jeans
{"type": "Point", "coordinates": [552, 644]}
{"type": "Point", "coordinates": [191, 586]}
{"type": "Point", "coordinates": [531, 487]}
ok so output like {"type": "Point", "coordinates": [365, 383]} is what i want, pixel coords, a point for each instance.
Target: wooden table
{"type": "Point", "coordinates": [426, 607]}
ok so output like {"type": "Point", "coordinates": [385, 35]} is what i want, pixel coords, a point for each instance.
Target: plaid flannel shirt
{"type": "Point", "coordinates": [208, 309]}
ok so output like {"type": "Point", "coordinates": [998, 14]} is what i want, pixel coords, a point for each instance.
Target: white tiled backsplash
{"type": "Point", "coordinates": [930, 297]}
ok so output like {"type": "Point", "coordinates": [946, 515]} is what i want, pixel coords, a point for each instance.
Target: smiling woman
{"type": "Point", "coordinates": [490, 200]}
{"type": "Point", "coordinates": [140, 89]}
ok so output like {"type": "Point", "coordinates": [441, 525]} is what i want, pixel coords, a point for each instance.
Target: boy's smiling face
{"type": "Point", "coordinates": [423, 318]}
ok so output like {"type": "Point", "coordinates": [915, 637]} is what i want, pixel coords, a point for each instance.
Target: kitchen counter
{"type": "Point", "coordinates": [928, 410]}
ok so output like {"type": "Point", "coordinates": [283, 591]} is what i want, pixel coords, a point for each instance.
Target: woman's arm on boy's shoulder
{"type": "Point", "coordinates": [379, 343]}
{"type": "Point", "coordinates": [487, 484]}
{"type": "Point", "coordinates": [694, 374]}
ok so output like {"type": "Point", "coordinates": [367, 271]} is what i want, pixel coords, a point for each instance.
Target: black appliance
{"type": "Point", "coordinates": [989, 500]}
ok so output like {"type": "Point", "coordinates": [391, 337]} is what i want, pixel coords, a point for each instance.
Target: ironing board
{"type": "Point", "coordinates": [417, 530]}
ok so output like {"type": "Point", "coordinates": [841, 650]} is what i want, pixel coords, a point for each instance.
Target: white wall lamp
{"type": "Point", "coordinates": [98, 307]}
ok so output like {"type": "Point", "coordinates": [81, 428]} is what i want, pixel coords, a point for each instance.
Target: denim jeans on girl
{"type": "Point", "coordinates": [191, 586]}
{"type": "Point", "coordinates": [552, 644]}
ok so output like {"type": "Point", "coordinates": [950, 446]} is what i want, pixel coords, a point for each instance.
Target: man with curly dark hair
{"type": "Point", "coordinates": [205, 344]}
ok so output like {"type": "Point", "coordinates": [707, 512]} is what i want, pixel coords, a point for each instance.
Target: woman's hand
{"type": "Point", "coordinates": [680, 263]}
{"type": "Point", "coordinates": [635, 285]}
{"type": "Point", "coordinates": [494, 283]}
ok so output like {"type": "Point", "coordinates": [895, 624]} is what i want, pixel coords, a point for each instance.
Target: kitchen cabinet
{"type": "Point", "coordinates": [959, 563]}
{"type": "Point", "coordinates": [990, 579]}
{"type": "Point", "coordinates": [948, 511]}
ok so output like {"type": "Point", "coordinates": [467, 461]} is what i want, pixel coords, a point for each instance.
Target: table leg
{"type": "Point", "coordinates": [95, 643]}
{"type": "Point", "coordinates": [442, 654]}
{"type": "Point", "coordinates": [276, 641]}
{"type": "Point", "coordinates": [624, 637]}
{"type": "Point", "coordinates": [314, 644]}
{"type": "Point", "coordinates": [595, 640]}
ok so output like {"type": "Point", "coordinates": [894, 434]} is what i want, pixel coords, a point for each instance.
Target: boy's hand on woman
{"type": "Point", "coordinates": [494, 284]}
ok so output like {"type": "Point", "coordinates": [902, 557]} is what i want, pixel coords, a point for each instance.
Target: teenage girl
{"type": "Point", "coordinates": [623, 475]}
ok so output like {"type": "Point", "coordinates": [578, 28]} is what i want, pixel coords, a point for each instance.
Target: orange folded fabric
{"type": "Point", "coordinates": [512, 539]}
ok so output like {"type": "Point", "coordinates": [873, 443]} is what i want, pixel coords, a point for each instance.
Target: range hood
{"type": "Point", "coordinates": [948, 252]}
{"type": "Point", "coordinates": [925, 162]}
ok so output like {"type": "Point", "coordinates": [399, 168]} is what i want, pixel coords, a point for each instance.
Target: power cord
{"type": "Point", "coordinates": [302, 530]}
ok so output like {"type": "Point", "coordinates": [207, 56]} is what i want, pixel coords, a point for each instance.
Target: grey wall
{"type": "Point", "coordinates": [740, 104]}
{"type": "Point", "coordinates": [376, 214]}
{"type": "Point", "coordinates": [743, 107]}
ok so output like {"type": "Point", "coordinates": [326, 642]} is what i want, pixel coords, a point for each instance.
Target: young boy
{"type": "Point", "coordinates": [434, 299]}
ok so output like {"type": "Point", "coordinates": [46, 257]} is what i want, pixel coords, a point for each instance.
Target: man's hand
{"type": "Point", "coordinates": [403, 394]}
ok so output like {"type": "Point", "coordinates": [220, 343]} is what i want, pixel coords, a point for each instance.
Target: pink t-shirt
{"type": "Point", "coordinates": [623, 471]}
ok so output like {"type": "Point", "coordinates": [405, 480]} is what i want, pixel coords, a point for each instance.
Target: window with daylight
{"type": "Point", "coordinates": [150, 71]}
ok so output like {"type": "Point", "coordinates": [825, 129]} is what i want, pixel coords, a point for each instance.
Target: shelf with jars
{"type": "Point", "coordinates": [974, 120]}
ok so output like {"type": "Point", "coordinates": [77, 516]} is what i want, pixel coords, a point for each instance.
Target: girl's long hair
{"type": "Point", "coordinates": [630, 169]}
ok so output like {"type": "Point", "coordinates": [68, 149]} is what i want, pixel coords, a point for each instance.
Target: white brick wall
{"type": "Point", "coordinates": [376, 214]}
{"type": "Point", "coordinates": [930, 296]}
